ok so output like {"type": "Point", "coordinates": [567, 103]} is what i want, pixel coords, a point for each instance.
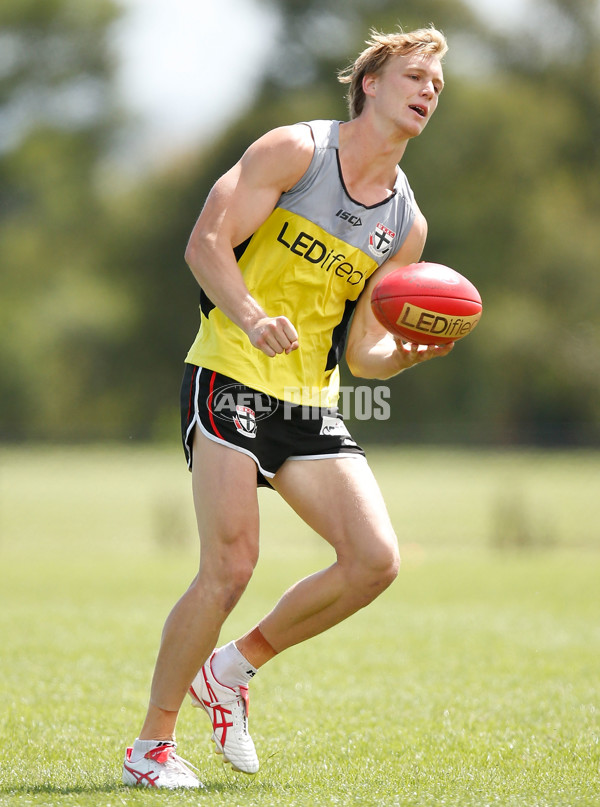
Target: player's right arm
{"type": "Point", "coordinates": [240, 201]}
{"type": "Point", "coordinates": [372, 352]}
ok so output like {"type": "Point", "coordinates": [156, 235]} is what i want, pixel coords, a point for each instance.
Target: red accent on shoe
{"type": "Point", "coordinates": [160, 754]}
{"type": "Point", "coordinates": [139, 776]}
{"type": "Point", "coordinates": [218, 717]}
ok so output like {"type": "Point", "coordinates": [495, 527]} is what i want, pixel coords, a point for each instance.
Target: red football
{"type": "Point", "coordinates": [426, 303]}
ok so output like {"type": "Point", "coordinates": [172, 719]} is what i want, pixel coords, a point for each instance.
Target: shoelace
{"type": "Point", "coordinates": [239, 698]}
{"type": "Point", "coordinates": [213, 704]}
{"type": "Point", "coordinates": [163, 753]}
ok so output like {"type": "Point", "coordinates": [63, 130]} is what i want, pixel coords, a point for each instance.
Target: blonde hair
{"type": "Point", "coordinates": [380, 47]}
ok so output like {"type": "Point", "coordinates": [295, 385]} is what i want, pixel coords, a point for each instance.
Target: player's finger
{"type": "Point", "coordinates": [431, 351]}
{"type": "Point", "coordinates": [280, 335]}
{"type": "Point", "coordinates": [412, 348]}
{"type": "Point", "coordinates": [290, 334]}
{"type": "Point", "coordinates": [262, 344]}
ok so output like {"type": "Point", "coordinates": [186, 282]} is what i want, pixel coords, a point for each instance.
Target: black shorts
{"type": "Point", "coordinates": [265, 428]}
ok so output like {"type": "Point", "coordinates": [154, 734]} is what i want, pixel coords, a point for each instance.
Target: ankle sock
{"type": "Point", "coordinates": [231, 668]}
{"type": "Point", "coordinates": [143, 746]}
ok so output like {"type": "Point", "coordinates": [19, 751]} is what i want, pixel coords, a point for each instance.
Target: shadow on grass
{"type": "Point", "coordinates": [233, 785]}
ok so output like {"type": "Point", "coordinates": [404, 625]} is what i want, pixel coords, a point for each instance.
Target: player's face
{"type": "Point", "coordinates": [407, 91]}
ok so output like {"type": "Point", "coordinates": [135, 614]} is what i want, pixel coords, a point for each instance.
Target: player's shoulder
{"type": "Point", "coordinates": [296, 138]}
{"type": "Point", "coordinates": [288, 149]}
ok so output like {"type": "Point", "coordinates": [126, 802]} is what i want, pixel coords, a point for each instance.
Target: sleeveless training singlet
{"type": "Point", "coordinates": [309, 261]}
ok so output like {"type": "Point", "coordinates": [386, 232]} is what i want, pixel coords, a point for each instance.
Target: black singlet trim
{"type": "Point", "coordinates": [206, 304]}
{"type": "Point", "coordinates": [241, 248]}
{"type": "Point", "coordinates": [366, 207]}
{"type": "Point", "coordinates": [338, 336]}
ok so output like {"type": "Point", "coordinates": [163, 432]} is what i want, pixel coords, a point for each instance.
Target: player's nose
{"type": "Point", "coordinates": [428, 89]}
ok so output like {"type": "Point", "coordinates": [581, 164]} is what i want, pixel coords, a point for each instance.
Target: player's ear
{"type": "Point", "coordinates": [368, 83]}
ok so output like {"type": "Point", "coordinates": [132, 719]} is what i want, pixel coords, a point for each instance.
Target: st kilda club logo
{"type": "Point", "coordinates": [380, 240]}
{"type": "Point", "coordinates": [242, 406]}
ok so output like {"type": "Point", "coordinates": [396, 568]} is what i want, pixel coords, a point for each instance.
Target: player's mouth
{"type": "Point", "coordinates": [420, 110]}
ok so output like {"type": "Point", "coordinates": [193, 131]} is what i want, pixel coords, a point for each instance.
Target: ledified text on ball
{"type": "Point", "coordinates": [430, 322]}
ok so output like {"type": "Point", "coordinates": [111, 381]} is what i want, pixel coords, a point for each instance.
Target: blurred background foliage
{"type": "Point", "coordinates": [97, 307]}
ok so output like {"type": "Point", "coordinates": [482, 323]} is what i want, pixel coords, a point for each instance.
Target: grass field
{"type": "Point", "coordinates": [474, 680]}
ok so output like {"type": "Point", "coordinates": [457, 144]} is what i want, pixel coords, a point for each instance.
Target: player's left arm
{"type": "Point", "coordinates": [372, 352]}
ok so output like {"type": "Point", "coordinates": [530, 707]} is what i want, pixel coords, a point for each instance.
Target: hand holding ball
{"type": "Point", "coordinates": [426, 303]}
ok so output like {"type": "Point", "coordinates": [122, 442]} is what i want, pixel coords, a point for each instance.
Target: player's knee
{"type": "Point", "coordinates": [393, 563]}
{"type": "Point", "coordinates": [237, 564]}
{"type": "Point", "coordinates": [388, 566]}
{"type": "Point", "coordinates": [226, 568]}
{"type": "Point", "coordinates": [223, 589]}
{"type": "Point", "coordinates": [374, 574]}
{"type": "Point", "coordinates": [240, 572]}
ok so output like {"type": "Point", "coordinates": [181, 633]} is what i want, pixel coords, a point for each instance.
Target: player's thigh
{"type": "Point", "coordinates": [341, 500]}
{"type": "Point", "coordinates": [225, 498]}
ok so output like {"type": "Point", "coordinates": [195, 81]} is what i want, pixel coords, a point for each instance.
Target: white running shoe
{"type": "Point", "coordinates": [227, 708]}
{"type": "Point", "coordinates": [159, 767]}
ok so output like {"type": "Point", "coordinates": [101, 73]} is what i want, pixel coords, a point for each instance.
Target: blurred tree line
{"type": "Point", "coordinates": [97, 307]}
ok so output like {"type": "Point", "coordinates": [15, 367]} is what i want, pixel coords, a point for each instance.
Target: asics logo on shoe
{"type": "Point", "coordinates": [227, 708]}
{"type": "Point", "coordinates": [140, 777]}
{"type": "Point", "coordinates": [219, 713]}
{"type": "Point", "coordinates": [159, 767]}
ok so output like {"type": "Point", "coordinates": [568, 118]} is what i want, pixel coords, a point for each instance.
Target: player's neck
{"type": "Point", "coordinates": [369, 161]}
